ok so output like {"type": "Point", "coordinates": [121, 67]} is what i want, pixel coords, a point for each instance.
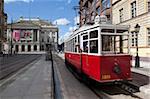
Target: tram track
{"type": "Point", "coordinates": [131, 89]}
{"type": "Point", "coordinates": [10, 59]}
{"type": "Point", "coordinates": [107, 91]}
{"type": "Point", "coordinates": [11, 68]}
{"type": "Point", "coordinates": [7, 65]}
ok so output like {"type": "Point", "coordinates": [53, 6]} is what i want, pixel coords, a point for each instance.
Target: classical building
{"type": "Point", "coordinates": [88, 9]}
{"type": "Point", "coordinates": [132, 12]}
{"type": "Point", "coordinates": [3, 25]}
{"type": "Point", "coordinates": [31, 35]}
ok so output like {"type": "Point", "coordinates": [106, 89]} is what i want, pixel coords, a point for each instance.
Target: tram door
{"type": "Point", "coordinates": [84, 53]}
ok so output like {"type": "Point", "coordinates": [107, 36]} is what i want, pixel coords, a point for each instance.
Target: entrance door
{"type": "Point", "coordinates": [29, 48]}
{"type": "Point", "coordinates": [17, 48]}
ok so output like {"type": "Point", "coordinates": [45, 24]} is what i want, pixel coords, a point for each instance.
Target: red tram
{"type": "Point", "coordinates": [101, 52]}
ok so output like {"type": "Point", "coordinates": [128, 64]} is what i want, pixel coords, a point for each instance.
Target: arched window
{"type": "Point", "coordinates": [148, 5]}
{"type": "Point", "coordinates": [17, 48]}
{"type": "Point", "coordinates": [35, 47]}
{"type": "Point", "coordinates": [23, 48]}
{"type": "Point", "coordinates": [29, 48]}
{"type": "Point", "coordinates": [42, 47]}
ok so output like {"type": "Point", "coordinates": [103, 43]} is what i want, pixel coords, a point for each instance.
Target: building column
{"type": "Point", "coordinates": [26, 48]}
{"type": "Point", "coordinates": [32, 48]}
{"type": "Point", "coordinates": [38, 35]}
{"type": "Point", "coordinates": [19, 50]}
{"type": "Point", "coordinates": [38, 47]}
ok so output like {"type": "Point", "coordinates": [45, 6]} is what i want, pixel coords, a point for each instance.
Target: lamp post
{"type": "Point", "coordinates": [11, 45]}
{"type": "Point", "coordinates": [137, 58]}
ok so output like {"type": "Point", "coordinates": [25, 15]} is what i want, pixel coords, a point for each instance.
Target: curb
{"type": "Point", "coordinates": [62, 85]}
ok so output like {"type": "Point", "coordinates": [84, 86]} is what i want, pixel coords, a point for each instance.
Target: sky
{"type": "Point", "coordinates": [59, 12]}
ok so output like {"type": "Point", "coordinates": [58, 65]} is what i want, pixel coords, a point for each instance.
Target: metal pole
{"type": "Point", "coordinates": [137, 58]}
{"type": "Point", "coordinates": [11, 38]}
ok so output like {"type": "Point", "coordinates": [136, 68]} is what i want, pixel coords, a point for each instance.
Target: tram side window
{"type": "Point", "coordinates": [94, 41]}
{"type": "Point", "coordinates": [75, 44]}
{"type": "Point", "coordinates": [85, 46]}
{"type": "Point", "coordinates": [94, 34]}
{"type": "Point", "coordinates": [94, 46]}
{"type": "Point", "coordinates": [85, 37]}
{"type": "Point", "coordinates": [67, 46]}
{"type": "Point", "coordinates": [79, 39]}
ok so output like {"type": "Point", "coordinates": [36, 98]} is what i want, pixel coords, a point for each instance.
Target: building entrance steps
{"type": "Point", "coordinates": [34, 83]}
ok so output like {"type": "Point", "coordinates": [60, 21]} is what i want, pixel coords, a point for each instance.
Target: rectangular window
{"type": "Point", "coordinates": [148, 40]}
{"type": "Point", "coordinates": [94, 46]}
{"type": "Point", "coordinates": [75, 40]}
{"type": "Point", "coordinates": [134, 39]}
{"type": "Point", "coordinates": [85, 46]}
{"type": "Point", "coordinates": [79, 39]}
{"type": "Point", "coordinates": [85, 37]}
{"type": "Point", "coordinates": [108, 30]}
{"type": "Point", "coordinates": [133, 9]}
{"type": "Point", "coordinates": [94, 34]}
{"type": "Point", "coordinates": [148, 31]}
{"type": "Point", "coordinates": [148, 6]}
{"type": "Point", "coordinates": [121, 15]}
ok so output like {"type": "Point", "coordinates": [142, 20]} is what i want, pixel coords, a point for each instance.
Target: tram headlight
{"type": "Point", "coordinates": [117, 69]}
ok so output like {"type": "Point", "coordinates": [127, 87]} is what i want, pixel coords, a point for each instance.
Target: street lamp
{"type": "Point", "coordinates": [11, 44]}
{"type": "Point", "coordinates": [137, 58]}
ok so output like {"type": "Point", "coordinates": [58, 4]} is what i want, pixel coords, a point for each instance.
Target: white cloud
{"type": "Point", "coordinates": [67, 34]}
{"type": "Point", "coordinates": [71, 29]}
{"type": "Point", "coordinates": [76, 20]}
{"type": "Point", "coordinates": [8, 1]}
{"type": "Point", "coordinates": [61, 21]}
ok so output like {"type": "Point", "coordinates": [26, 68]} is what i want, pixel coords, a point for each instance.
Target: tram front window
{"type": "Point", "coordinates": [114, 44]}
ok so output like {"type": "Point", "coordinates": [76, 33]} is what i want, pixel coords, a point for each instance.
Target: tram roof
{"type": "Point", "coordinates": [102, 26]}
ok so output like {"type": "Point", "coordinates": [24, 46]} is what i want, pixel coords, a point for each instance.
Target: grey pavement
{"type": "Point", "coordinates": [35, 83]}
{"type": "Point", "coordinates": [144, 68]}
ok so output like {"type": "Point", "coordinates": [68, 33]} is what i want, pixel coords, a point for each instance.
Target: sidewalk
{"type": "Point", "coordinates": [34, 83]}
{"type": "Point", "coordinates": [143, 69]}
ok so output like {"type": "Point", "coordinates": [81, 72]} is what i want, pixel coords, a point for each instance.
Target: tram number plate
{"type": "Point", "coordinates": [106, 77]}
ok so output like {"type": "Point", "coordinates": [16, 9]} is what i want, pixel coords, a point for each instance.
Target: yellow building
{"type": "Point", "coordinates": [132, 12]}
